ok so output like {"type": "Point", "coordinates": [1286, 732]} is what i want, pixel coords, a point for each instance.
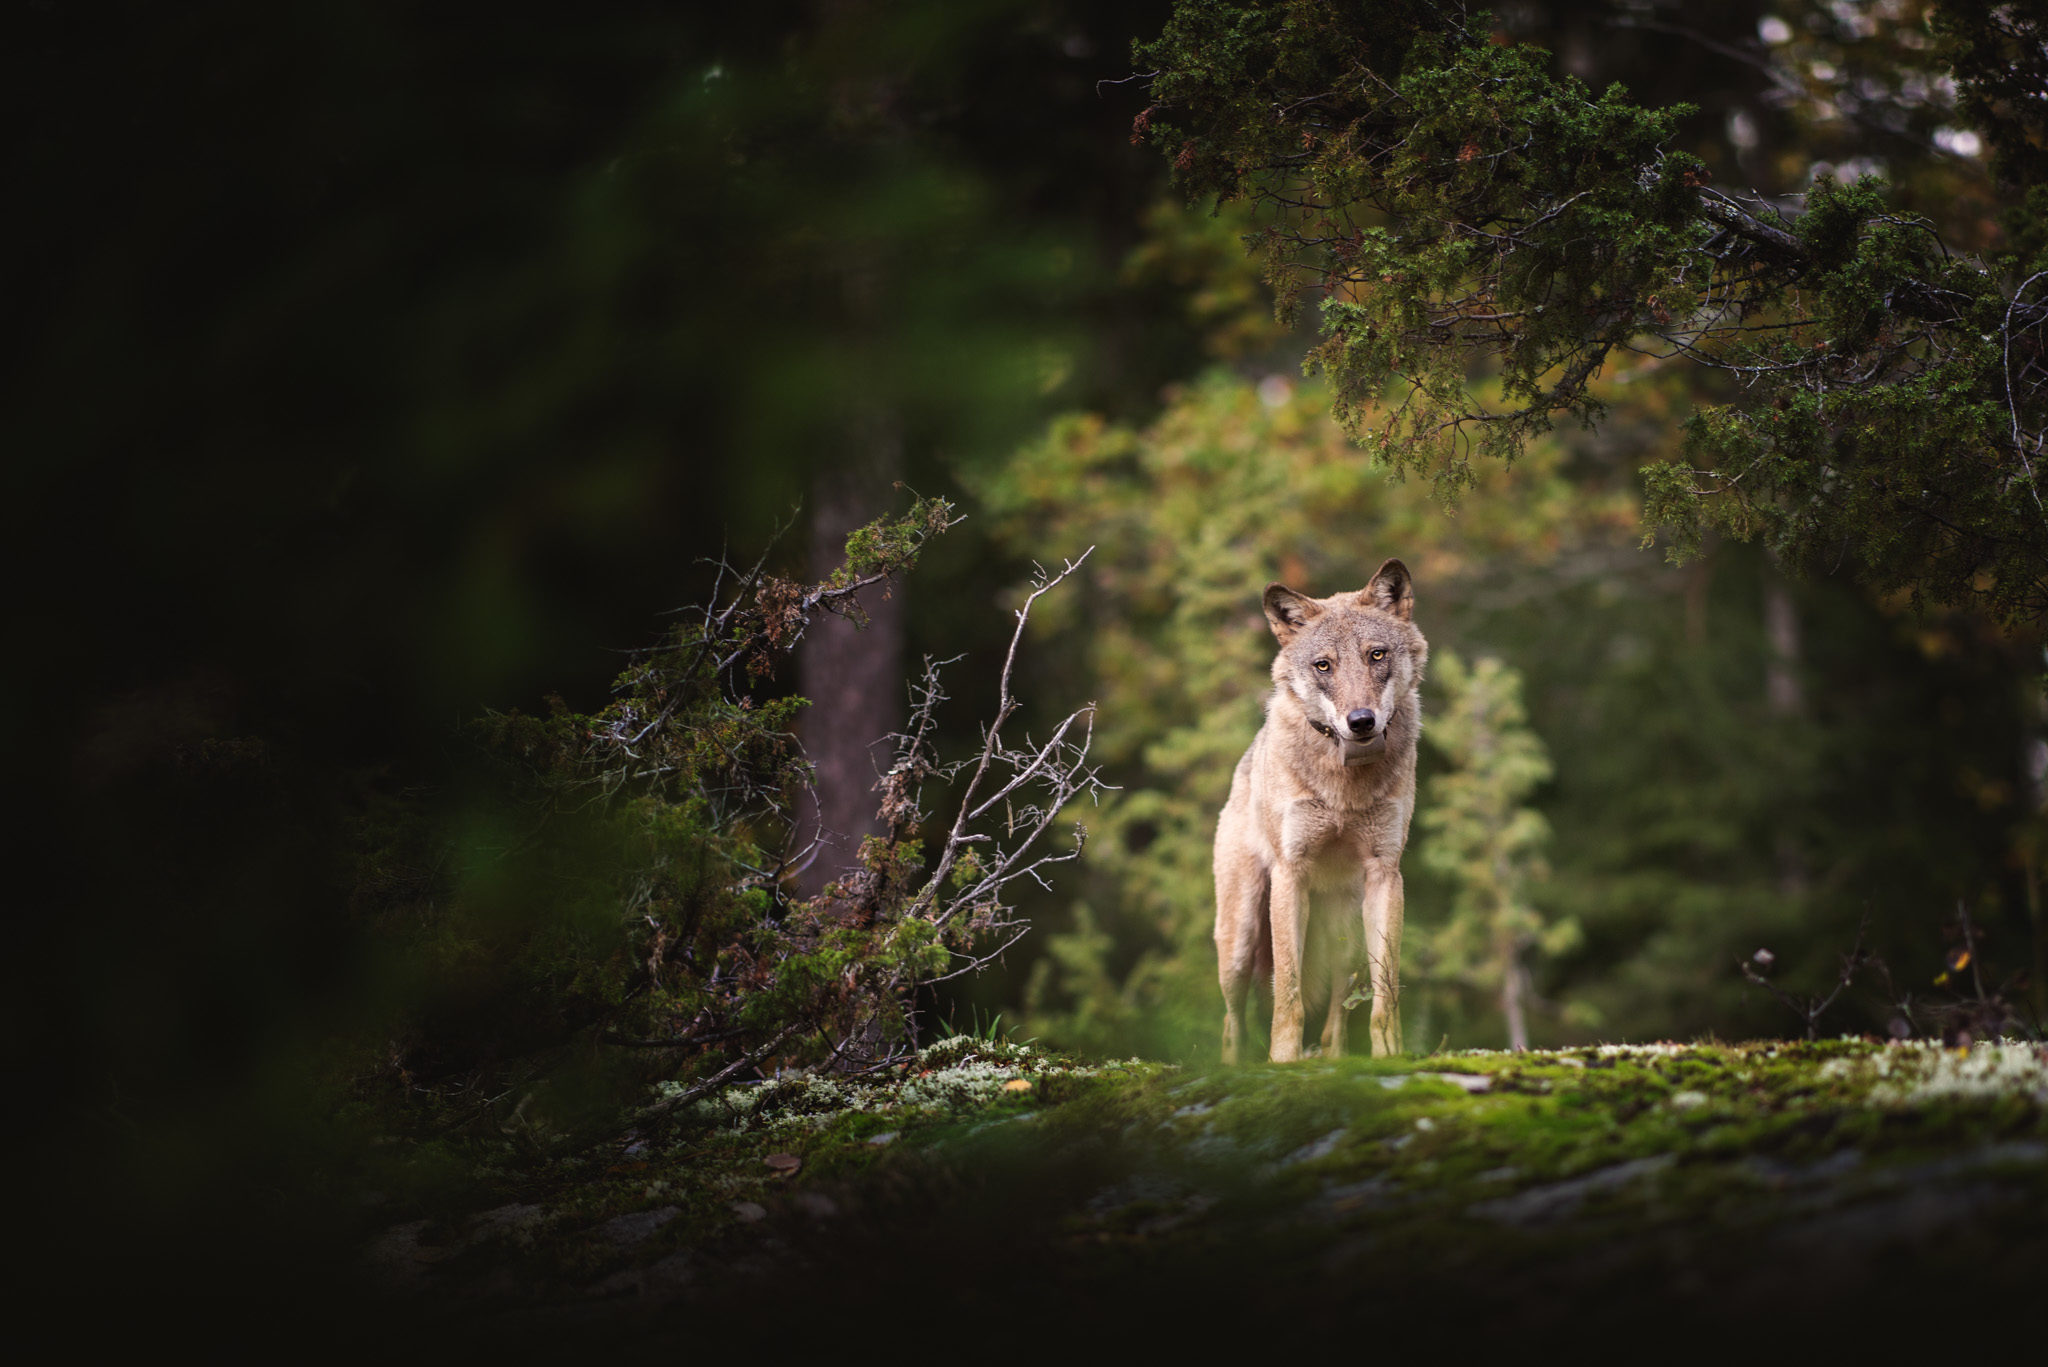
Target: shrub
{"type": "Point", "coordinates": [616, 906]}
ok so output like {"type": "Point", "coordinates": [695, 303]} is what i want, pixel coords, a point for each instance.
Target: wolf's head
{"type": "Point", "coordinates": [1351, 661]}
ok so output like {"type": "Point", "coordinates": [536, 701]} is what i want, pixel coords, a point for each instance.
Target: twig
{"type": "Point", "coordinates": [992, 749]}
{"type": "Point", "coordinates": [718, 1079]}
{"type": "Point", "coordinates": [1811, 1009]}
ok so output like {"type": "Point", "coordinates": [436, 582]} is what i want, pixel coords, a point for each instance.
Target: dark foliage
{"type": "Point", "coordinates": [1448, 198]}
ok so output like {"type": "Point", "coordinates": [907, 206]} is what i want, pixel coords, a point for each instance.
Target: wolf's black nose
{"type": "Point", "coordinates": [1360, 721]}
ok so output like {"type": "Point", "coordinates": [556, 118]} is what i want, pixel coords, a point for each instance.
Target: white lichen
{"type": "Point", "coordinates": [1917, 1073]}
{"type": "Point", "coordinates": [956, 1073]}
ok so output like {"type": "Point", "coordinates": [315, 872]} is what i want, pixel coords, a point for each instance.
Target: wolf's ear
{"type": "Point", "coordinates": [1392, 589]}
{"type": "Point", "coordinates": [1289, 611]}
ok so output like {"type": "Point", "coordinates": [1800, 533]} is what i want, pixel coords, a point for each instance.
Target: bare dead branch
{"type": "Point", "coordinates": [1811, 1009]}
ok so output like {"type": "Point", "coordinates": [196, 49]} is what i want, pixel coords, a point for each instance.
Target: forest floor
{"type": "Point", "coordinates": [1679, 1189]}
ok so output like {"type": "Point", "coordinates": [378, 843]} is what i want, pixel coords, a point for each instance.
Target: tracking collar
{"type": "Point", "coordinates": [1357, 753]}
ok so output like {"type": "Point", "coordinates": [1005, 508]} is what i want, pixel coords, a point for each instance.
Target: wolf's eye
{"type": "Point", "coordinates": [1379, 652]}
{"type": "Point", "coordinates": [1323, 665]}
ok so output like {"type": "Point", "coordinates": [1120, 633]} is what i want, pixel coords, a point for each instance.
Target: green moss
{"type": "Point", "coordinates": [1419, 1172]}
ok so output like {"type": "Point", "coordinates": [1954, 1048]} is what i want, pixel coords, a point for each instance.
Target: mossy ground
{"type": "Point", "coordinates": [1662, 1184]}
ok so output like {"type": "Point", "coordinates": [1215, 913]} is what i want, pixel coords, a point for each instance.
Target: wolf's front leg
{"type": "Point", "coordinates": [1240, 913]}
{"type": "Point", "coordinates": [1384, 906]}
{"type": "Point", "coordinates": [1290, 919]}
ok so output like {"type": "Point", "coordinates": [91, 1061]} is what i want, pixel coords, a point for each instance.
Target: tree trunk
{"type": "Point", "coordinates": [1785, 700]}
{"type": "Point", "coordinates": [1782, 693]}
{"type": "Point", "coordinates": [2034, 763]}
{"type": "Point", "coordinates": [1514, 991]}
{"type": "Point", "coordinates": [1699, 578]}
{"type": "Point", "coordinates": [853, 676]}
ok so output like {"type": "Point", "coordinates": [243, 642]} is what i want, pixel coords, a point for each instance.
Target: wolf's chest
{"type": "Point", "coordinates": [1336, 841]}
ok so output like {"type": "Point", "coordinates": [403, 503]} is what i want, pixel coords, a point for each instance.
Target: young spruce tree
{"type": "Point", "coordinates": [1485, 838]}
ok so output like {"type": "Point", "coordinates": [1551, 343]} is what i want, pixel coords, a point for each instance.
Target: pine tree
{"type": "Point", "coordinates": [1448, 200]}
{"type": "Point", "coordinates": [1485, 838]}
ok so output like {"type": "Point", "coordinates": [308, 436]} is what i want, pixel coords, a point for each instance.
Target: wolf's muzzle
{"type": "Point", "coordinates": [1360, 722]}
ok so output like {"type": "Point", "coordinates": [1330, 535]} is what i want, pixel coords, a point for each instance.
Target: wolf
{"type": "Point", "coordinates": [1322, 801]}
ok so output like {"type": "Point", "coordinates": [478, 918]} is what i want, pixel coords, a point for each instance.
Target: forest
{"type": "Point", "coordinates": [637, 621]}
